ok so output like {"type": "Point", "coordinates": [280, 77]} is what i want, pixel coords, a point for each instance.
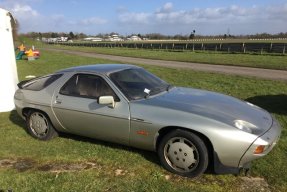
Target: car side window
{"type": "Point", "coordinates": [88, 86]}
{"type": "Point", "coordinates": [39, 83]}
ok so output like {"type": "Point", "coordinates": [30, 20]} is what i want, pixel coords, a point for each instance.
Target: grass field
{"type": "Point", "coordinates": [249, 60]}
{"type": "Point", "coordinates": [70, 163]}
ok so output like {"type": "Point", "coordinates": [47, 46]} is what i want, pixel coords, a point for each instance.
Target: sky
{"type": "Point", "coordinates": [169, 17]}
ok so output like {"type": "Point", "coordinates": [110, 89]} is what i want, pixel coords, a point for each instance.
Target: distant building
{"type": "Point", "coordinates": [93, 39]}
{"type": "Point", "coordinates": [114, 38]}
{"type": "Point", "coordinates": [54, 40]}
{"type": "Point", "coordinates": [134, 38]}
{"type": "Point", "coordinates": [62, 39]}
{"type": "Point", "coordinates": [49, 40]}
{"type": "Point", "coordinates": [97, 39]}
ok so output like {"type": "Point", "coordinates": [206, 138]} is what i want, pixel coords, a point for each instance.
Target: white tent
{"type": "Point", "coordinates": [8, 68]}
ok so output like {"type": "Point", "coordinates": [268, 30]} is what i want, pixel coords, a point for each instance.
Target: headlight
{"type": "Point", "coordinates": [244, 126]}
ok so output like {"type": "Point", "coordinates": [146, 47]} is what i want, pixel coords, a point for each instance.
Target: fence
{"type": "Point", "coordinates": [278, 48]}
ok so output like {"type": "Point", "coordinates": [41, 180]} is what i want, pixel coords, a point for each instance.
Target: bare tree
{"type": "Point", "coordinates": [15, 28]}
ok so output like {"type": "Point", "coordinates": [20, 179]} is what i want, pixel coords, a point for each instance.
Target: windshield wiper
{"type": "Point", "coordinates": [154, 91]}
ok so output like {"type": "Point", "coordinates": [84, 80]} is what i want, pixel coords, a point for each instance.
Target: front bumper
{"type": "Point", "coordinates": [266, 141]}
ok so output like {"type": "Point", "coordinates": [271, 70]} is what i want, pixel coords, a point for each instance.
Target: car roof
{"type": "Point", "coordinates": [99, 68]}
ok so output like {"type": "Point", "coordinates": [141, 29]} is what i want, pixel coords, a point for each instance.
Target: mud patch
{"type": "Point", "coordinates": [68, 167]}
{"type": "Point", "coordinates": [6, 163]}
{"type": "Point", "coordinates": [22, 165]}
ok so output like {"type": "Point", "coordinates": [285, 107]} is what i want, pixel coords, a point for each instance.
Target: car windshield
{"type": "Point", "coordinates": [138, 83]}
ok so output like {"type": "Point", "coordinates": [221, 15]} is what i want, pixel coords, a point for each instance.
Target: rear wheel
{"type": "Point", "coordinates": [183, 153]}
{"type": "Point", "coordinates": [39, 126]}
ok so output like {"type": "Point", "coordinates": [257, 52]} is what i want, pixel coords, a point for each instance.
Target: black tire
{"type": "Point", "coordinates": [183, 153]}
{"type": "Point", "coordinates": [40, 126]}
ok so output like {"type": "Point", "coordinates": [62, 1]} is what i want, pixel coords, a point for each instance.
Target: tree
{"type": "Point", "coordinates": [180, 37]}
{"type": "Point", "coordinates": [156, 36]}
{"type": "Point", "coordinates": [54, 35]}
{"type": "Point", "coordinates": [113, 33]}
{"type": "Point", "coordinates": [40, 35]}
{"type": "Point", "coordinates": [192, 35]}
{"type": "Point", "coordinates": [71, 35]}
{"type": "Point", "coordinates": [81, 35]}
{"type": "Point", "coordinates": [15, 27]}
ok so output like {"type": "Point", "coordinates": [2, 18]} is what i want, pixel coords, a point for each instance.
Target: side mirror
{"type": "Point", "coordinates": [107, 100]}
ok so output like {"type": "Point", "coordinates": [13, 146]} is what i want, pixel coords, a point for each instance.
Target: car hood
{"type": "Point", "coordinates": [211, 105]}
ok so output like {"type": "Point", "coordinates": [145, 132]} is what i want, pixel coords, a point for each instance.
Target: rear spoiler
{"type": "Point", "coordinates": [24, 82]}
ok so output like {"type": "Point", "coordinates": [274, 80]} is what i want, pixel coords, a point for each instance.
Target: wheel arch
{"type": "Point", "coordinates": [162, 132]}
{"type": "Point", "coordinates": [51, 133]}
{"type": "Point", "coordinates": [26, 110]}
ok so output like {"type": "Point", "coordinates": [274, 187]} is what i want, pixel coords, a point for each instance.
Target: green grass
{"type": "Point", "coordinates": [248, 60]}
{"type": "Point", "coordinates": [52, 166]}
{"type": "Point", "coordinates": [51, 62]}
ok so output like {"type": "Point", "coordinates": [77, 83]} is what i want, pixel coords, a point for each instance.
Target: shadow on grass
{"type": "Point", "coordinates": [17, 120]}
{"type": "Point", "coordinates": [148, 155]}
{"type": "Point", "coordinates": [272, 103]}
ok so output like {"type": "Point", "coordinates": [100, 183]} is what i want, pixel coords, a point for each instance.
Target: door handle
{"type": "Point", "coordinates": [58, 101]}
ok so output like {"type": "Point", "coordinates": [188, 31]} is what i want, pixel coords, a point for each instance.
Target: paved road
{"type": "Point", "coordinates": [244, 71]}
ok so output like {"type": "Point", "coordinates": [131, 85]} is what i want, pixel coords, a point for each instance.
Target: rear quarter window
{"type": "Point", "coordinates": [40, 83]}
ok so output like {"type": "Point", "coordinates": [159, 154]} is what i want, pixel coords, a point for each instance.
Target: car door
{"type": "Point", "coordinates": [75, 105]}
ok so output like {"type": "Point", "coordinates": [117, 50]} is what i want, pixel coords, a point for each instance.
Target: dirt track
{"type": "Point", "coordinates": [244, 71]}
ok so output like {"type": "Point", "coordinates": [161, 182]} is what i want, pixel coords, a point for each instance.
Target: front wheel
{"type": "Point", "coordinates": [39, 126]}
{"type": "Point", "coordinates": [183, 153]}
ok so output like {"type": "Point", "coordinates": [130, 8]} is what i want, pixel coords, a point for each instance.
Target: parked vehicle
{"type": "Point", "coordinates": [188, 128]}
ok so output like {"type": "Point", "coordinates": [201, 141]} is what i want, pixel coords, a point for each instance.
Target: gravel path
{"type": "Point", "coordinates": [235, 70]}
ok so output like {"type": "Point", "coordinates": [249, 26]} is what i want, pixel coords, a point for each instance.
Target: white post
{"type": "Point", "coordinates": [8, 68]}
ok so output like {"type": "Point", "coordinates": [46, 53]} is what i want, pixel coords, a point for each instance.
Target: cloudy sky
{"type": "Point", "coordinates": [170, 17]}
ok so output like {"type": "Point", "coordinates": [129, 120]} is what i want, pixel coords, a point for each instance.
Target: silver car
{"type": "Point", "coordinates": [190, 129]}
